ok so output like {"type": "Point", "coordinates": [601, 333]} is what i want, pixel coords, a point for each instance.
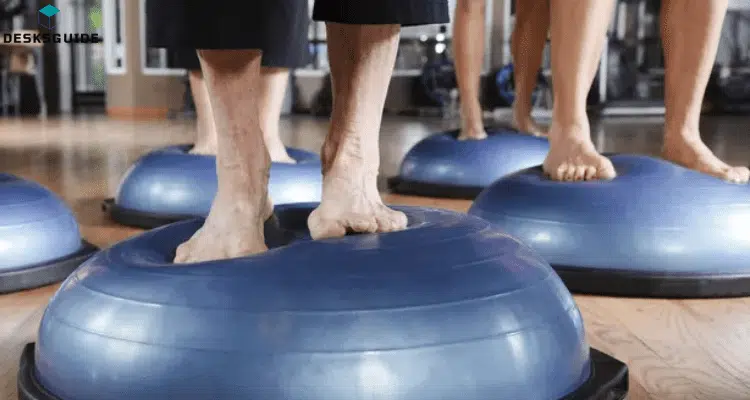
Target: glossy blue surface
{"type": "Point", "coordinates": [654, 217]}
{"type": "Point", "coordinates": [35, 225]}
{"type": "Point", "coordinates": [171, 181]}
{"type": "Point", "coordinates": [442, 159]}
{"type": "Point", "coordinates": [448, 309]}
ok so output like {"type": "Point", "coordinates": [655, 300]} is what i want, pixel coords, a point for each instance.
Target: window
{"type": "Point", "coordinates": [153, 61]}
{"type": "Point", "coordinates": [114, 36]}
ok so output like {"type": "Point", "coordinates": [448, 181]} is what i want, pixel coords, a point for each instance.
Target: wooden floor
{"type": "Point", "coordinates": [675, 349]}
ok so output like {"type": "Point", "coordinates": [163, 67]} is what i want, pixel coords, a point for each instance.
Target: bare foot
{"type": "Point", "coordinates": [276, 149]}
{"type": "Point", "coordinates": [206, 140]}
{"type": "Point", "coordinates": [697, 156]}
{"type": "Point", "coordinates": [573, 157]}
{"type": "Point", "coordinates": [204, 148]}
{"type": "Point", "coordinates": [472, 132]}
{"type": "Point", "coordinates": [232, 229]}
{"type": "Point", "coordinates": [348, 205]}
{"type": "Point", "coordinates": [523, 122]}
{"type": "Point", "coordinates": [279, 155]}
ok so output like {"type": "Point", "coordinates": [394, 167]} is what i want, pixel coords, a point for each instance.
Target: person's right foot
{"type": "Point", "coordinates": [573, 157]}
{"type": "Point", "coordinates": [697, 156]}
{"type": "Point", "coordinates": [233, 228]}
{"type": "Point", "coordinates": [351, 201]}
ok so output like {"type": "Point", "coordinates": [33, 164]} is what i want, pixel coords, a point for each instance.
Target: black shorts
{"type": "Point", "coordinates": [277, 27]}
{"type": "Point", "coordinates": [183, 58]}
{"type": "Point", "coordinates": [379, 12]}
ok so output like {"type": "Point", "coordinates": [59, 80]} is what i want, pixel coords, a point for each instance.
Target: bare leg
{"type": "Point", "coordinates": [273, 83]}
{"type": "Point", "coordinates": [689, 55]}
{"type": "Point", "coordinates": [205, 141]}
{"type": "Point", "coordinates": [527, 46]}
{"type": "Point", "coordinates": [361, 58]}
{"type": "Point", "coordinates": [468, 45]}
{"type": "Point", "coordinates": [578, 30]}
{"type": "Point", "coordinates": [234, 226]}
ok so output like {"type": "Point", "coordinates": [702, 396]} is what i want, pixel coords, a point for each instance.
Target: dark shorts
{"type": "Point", "coordinates": [379, 12]}
{"type": "Point", "coordinates": [183, 58]}
{"type": "Point", "coordinates": [277, 27]}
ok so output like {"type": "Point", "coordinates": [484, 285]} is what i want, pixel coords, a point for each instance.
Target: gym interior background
{"type": "Point", "coordinates": [124, 78]}
{"type": "Point", "coordinates": [75, 117]}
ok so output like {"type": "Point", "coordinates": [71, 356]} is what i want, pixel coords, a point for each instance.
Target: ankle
{"type": "Point", "coordinates": [356, 168]}
{"type": "Point", "coordinates": [471, 116]}
{"type": "Point", "coordinates": [350, 185]}
{"type": "Point", "coordinates": [354, 152]}
{"type": "Point", "coordinates": [569, 116]}
{"type": "Point", "coordinates": [576, 131]}
{"type": "Point", "coordinates": [681, 133]}
{"type": "Point", "coordinates": [472, 126]}
{"type": "Point", "coordinates": [522, 109]}
{"type": "Point", "coordinates": [248, 205]}
{"type": "Point", "coordinates": [271, 135]}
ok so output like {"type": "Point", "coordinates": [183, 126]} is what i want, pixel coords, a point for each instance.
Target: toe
{"type": "Point", "coordinates": [744, 174]}
{"type": "Point", "coordinates": [580, 173]}
{"type": "Point", "coordinates": [386, 223]}
{"type": "Point", "coordinates": [570, 173]}
{"type": "Point", "coordinates": [363, 224]}
{"type": "Point", "coordinates": [558, 173]}
{"type": "Point", "coordinates": [284, 159]}
{"type": "Point", "coordinates": [321, 228]}
{"type": "Point", "coordinates": [472, 136]}
{"type": "Point", "coordinates": [606, 170]}
{"type": "Point", "coordinates": [182, 255]}
{"type": "Point", "coordinates": [391, 220]}
{"type": "Point", "coordinates": [738, 175]}
{"type": "Point", "coordinates": [590, 173]}
{"type": "Point", "coordinates": [400, 219]}
{"type": "Point", "coordinates": [549, 169]}
{"type": "Point", "coordinates": [326, 230]}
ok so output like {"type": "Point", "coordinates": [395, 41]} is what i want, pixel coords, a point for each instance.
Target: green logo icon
{"type": "Point", "coordinates": [95, 16]}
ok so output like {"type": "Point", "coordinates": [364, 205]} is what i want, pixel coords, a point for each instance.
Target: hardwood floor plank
{"type": "Point", "coordinates": [679, 339]}
{"type": "Point", "coordinates": [722, 328]}
{"type": "Point", "coordinates": [11, 355]}
{"type": "Point", "coordinates": [692, 349]}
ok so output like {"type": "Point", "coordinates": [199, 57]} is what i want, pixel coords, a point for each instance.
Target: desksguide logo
{"type": "Point", "coordinates": [47, 18]}
{"type": "Point", "coordinates": [48, 11]}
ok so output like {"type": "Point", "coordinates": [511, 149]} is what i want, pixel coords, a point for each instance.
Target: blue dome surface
{"type": "Point", "coordinates": [655, 220]}
{"type": "Point", "coordinates": [443, 165]}
{"type": "Point", "coordinates": [173, 182]}
{"type": "Point", "coordinates": [36, 227]}
{"type": "Point", "coordinates": [448, 308]}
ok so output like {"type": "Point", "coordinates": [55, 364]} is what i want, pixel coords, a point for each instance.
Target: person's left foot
{"type": "Point", "coordinates": [472, 133]}
{"type": "Point", "coordinates": [697, 156]}
{"type": "Point", "coordinates": [204, 148]}
{"type": "Point", "coordinates": [351, 201]}
{"type": "Point", "coordinates": [523, 122]}
{"type": "Point", "coordinates": [205, 141]}
{"type": "Point", "coordinates": [276, 148]}
{"type": "Point", "coordinates": [280, 155]}
{"type": "Point", "coordinates": [472, 126]}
